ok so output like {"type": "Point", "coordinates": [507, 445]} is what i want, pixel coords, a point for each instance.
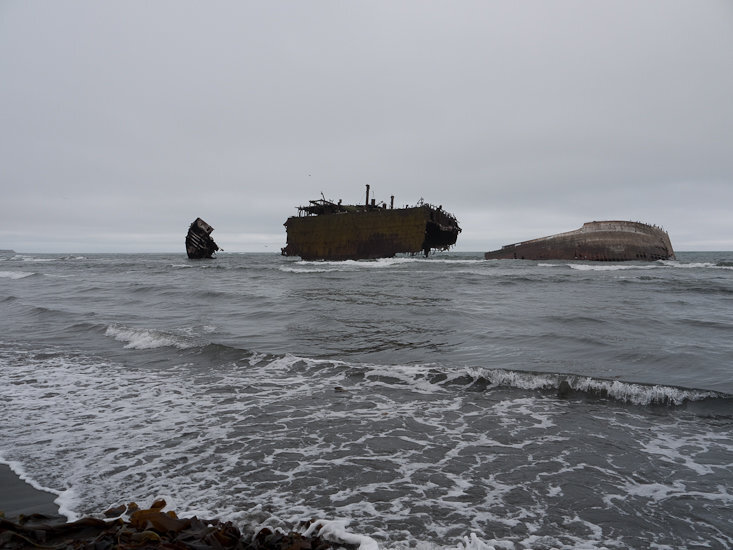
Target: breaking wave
{"type": "Point", "coordinates": [15, 274]}
{"type": "Point", "coordinates": [324, 266]}
{"type": "Point", "coordinates": [480, 379]}
{"type": "Point", "coordinates": [566, 385]}
{"type": "Point", "coordinates": [430, 379]}
{"type": "Point", "coordinates": [610, 267]}
{"type": "Point", "coordinates": [626, 266]}
{"type": "Point", "coordinates": [697, 265]}
{"type": "Point", "coordinates": [141, 339]}
{"type": "Point", "coordinates": [321, 266]}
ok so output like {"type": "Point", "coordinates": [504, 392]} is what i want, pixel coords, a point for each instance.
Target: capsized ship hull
{"type": "Point", "coordinates": [332, 231]}
{"type": "Point", "coordinates": [608, 241]}
{"type": "Point", "coordinates": [199, 243]}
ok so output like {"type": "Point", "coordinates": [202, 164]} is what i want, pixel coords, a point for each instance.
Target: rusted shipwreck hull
{"type": "Point", "coordinates": [199, 243]}
{"type": "Point", "coordinates": [325, 230]}
{"type": "Point", "coordinates": [608, 241]}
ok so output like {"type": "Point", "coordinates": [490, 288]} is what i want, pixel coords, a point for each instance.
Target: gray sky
{"type": "Point", "coordinates": [121, 122]}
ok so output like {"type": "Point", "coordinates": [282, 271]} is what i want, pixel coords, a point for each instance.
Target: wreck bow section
{"type": "Point", "coordinates": [610, 241]}
{"type": "Point", "coordinates": [199, 243]}
{"type": "Point", "coordinates": [325, 230]}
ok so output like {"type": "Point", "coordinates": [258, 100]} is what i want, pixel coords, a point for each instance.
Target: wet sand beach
{"type": "Point", "coordinates": [19, 498]}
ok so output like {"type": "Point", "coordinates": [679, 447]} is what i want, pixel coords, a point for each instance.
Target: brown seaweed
{"type": "Point", "coordinates": [150, 528]}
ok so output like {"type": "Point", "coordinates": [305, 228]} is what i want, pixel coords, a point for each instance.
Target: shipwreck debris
{"type": "Point", "coordinates": [199, 243]}
{"type": "Point", "coordinates": [605, 241]}
{"type": "Point", "coordinates": [327, 230]}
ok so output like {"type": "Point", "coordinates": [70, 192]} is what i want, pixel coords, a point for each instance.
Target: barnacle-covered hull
{"type": "Point", "coordinates": [329, 231]}
{"type": "Point", "coordinates": [611, 241]}
{"type": "Point", "coordinates": [199, 243]}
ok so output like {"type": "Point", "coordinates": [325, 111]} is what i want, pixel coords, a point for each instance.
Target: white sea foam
{"type": "Point", "coordinates": [611, 267]}
{"type": "Point", "coordinates": [335, 531]}
{"type": "Point", "coordinates": [661, 264]}
{"type": "Point", "coordinates": [472, 542]}
{"type": "Point", "coordinates": [33, 259]}
{"type": "Point", "coordinates": [515, 379]}
{"type": "Point", "coordinates": [326, 266]}
{"type": "Point", "coordinates": [659, 492]}
{"type": "Point", "coordinates": [655, 491]}
{"type": "Point", "coordinates": [457, 261]}
{"type": "Point", "coordinates": [346, 265]}
{"type": "Point", "coordinates": [684, 451]}
{"type": "Point", "coordinates": [694, 265]}
{"type": "Point", "coordinates": [274, 432]}
{"type": "Point", "coordinates": [637, 394]}
{"type": "Point", "coordinates": [15, 274]}
{"type": "Point", "coordinates": [147, 338]}
{"type": "Point", "coordinates": [306, 269]}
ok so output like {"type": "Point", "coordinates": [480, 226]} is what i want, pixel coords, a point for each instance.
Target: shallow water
{"type": "Point", "coordinates": [419, 401]}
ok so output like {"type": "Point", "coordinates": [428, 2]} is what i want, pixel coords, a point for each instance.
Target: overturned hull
{"type": "Point", "coordinates": [199, 243]}
{"type": "Point", "coordinates": [608, 241]}
{"type": "Point", "coordinates": [329, 231]}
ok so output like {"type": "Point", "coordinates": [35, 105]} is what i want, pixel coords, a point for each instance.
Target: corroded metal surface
{"type": "Point", "coordinates": [611, 241]}
{"type": "Point", "coordinates": [199, 243]}
{"type": "Point", "coordinates": [332, 231]}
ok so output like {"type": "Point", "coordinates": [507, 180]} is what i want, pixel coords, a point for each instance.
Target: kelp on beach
{"type": "Point", "coordinates": [129, 527]}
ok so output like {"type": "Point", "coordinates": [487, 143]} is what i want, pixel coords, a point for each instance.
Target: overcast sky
{"type": "Point", "coordinates": [121, 122]}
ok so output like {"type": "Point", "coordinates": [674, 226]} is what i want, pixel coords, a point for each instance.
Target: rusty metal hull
{"type": "Point", "coordinates": [609, 241]}
{"type": "Point", "coordinates": [199, 243]}
{"type": "Point", "coordinates": [369, 233]}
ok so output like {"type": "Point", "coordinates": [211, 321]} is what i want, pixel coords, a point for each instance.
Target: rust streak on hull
{"type": "Point", "coordinates": [611, 241]}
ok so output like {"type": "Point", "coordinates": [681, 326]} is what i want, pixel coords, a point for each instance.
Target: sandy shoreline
{"type": "Point", "coordinates": [18, 497]}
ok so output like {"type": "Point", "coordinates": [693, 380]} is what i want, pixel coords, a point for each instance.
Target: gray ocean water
{"type": "Point", "coordinates": [447, 402]}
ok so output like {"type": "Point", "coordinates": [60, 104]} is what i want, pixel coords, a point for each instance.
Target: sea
{"type": "Point", "coordinates": [410, 402]}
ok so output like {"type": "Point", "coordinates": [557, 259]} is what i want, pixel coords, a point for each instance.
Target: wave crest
{"type": "Point", "coordinates": [565, 385]}
{"type": "Point", "coordinates": [15, 274]}
{"type": "Point", "coordinates": [136, 338]}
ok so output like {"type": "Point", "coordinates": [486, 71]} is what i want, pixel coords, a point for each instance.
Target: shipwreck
{"type": "Point", "coordinates": [199, 243]}
{"type": "Point", "coordinates": [326, 230]}
{"type": "Point", "coordinates": [605, 241]}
